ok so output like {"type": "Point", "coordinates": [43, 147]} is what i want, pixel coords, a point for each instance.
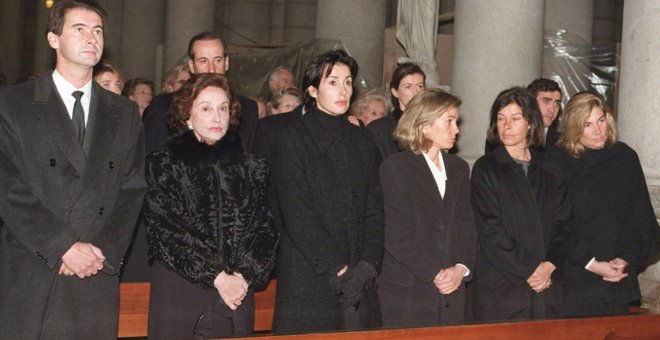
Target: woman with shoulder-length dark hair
{"type": "Point", "coordinates": [430, 237]}
{"type": "Point", "coordinates": [326, 178]}
{"type": "Point", "coordinates": [518, 201]}
{"type": "Point", "coordinates": [613, 227]}
{"type": "Point", "coordinates": [207, 226]}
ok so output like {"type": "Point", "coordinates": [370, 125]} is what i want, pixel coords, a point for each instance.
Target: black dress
{"type": "Point", "coordinates": [611, 217]}
{"type": "Point", "coordinates": [205, 213]}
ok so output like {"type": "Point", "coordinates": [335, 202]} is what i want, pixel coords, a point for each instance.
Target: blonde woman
{"type": "Point", "coordinates": [614, 232]}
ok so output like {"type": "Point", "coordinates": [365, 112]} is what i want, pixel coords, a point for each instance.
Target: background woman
{"type": "Point", "coordinates": [139, 90]}
{"type": "Point", "coordinates": [370, 106]}
{"type": "Point", "coordinates": [613, 226]}
{"type": "Point", "coordinates": [430, 237]}
{"type": "Point", "coordinates": [175, 78]}
{"type": "Point", "coordinates": [326, 178]}
{"type": "Point", "coordinates": [407, 80]}
{"type": "Point", "coordinates": [109, 77]}
{"type": "Point", "coordinates": [518, 200]}
{"type": "Point", "coordinates": [207, 225]}
{"type": "Point", "coordinates": [284, 100]}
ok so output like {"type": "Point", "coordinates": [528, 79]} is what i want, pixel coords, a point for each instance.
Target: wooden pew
{"type": "Point", "coordinates": [134, 309]}
{"type": "Point", "coordinates": [616, 327]}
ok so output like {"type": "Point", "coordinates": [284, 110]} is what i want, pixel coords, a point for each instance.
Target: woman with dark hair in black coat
{"type": "Point", "coordinates": [208, 230]}
{"type": "Point", "coordinates": [614, 232]}
{"type": "Point", "coordinates": [518, 201]}
{"type": "Point", "coordinates": [326, 178]}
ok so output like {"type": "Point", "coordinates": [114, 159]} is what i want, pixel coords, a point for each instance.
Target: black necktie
{"type": "Point", "coordinates": [78, 117]}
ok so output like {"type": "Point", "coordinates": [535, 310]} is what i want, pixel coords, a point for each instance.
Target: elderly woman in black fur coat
{"type": "Point", "coordinates": [207, 226]}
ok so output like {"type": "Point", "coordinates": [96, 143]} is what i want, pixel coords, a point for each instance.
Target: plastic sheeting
{"type": "Point", "coordinates": [249, 70]}
{"type": "Point", "coordinates": [578, 66]}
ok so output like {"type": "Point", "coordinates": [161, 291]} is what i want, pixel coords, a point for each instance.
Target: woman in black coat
{"type": "Point", "coordinates": [430, 236]}
{"type": "Point", "coordinates": [207, 226]}
{"type": "Point", "coordinates": [614, 232]}
{"type": "Point", "coordinates": [407, 80]}
{"type": "Point", "coordinates": [518, 201]}
{"type": "Point", "coordinates": [326, 178]}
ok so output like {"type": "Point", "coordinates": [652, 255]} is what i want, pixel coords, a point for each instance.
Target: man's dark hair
{"type": "Point", "coordinates": [206, 35]}
{"type": "Point", "coordinates": [314, 71]}
{"type": "Point", "coordinates": [543, 84]}
{"type": "Point", "coordinates": [58, 12]}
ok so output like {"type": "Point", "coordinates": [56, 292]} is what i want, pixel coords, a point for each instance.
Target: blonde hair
{"type": "Point", "coordinates": [427, 106]}
{"type": "Point", "coordinates": [359, 107]}
{"type": "Point", "coordinates": [170, 78]}
{"type": "Point", "coordinates": [576, 114]}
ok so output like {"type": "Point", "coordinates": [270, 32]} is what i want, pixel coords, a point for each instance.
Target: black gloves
{"type": "Point", "coordinates": [349, 286]}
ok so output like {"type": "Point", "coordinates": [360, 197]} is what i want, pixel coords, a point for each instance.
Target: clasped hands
{"type": "Point", "coordinates": [83, 260]}
{"type": "Point", "coordinates": [540, 279]}
{"type": "Point", "coordinates": [449, 279]}
{"type": "Point", "coordinates": [611, 271]}
{"type": "Point", "coordinates": [232, 288]}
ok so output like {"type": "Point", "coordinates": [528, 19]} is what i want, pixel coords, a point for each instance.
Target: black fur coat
{"type": "Point", "coordinates": [205, 211]}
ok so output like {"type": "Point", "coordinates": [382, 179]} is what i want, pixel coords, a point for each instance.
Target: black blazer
{"type": "Point", "coordinates": [53, 193]}
{"type": "Point", "coordinates": [424, 233]}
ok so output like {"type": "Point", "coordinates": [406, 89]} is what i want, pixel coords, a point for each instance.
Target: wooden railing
{"type": "Point", "coordinates": [134, 312]}
{"type": "Point", "coordinates": [134, 309]}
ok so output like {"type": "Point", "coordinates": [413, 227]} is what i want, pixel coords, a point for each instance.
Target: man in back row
{"type": "Point", "coordinates": [71, 187]}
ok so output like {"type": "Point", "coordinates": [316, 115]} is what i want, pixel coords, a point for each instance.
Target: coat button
{"type": "Point", "coordinates": [446, 304]}
{"type": "Point", "coordinates": [111, 165]}
{"type": "Point", "coordinates": [52, 162]}
{"type": "Point", "coordinates": [101, 210]}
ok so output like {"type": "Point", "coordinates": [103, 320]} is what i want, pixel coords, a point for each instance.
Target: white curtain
{"type": "Point", "coordinates": [417, 27]}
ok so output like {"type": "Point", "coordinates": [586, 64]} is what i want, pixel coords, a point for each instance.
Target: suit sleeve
{"type": "Point", "coordinates": [301, 222]}
{"type": "Point", "coordinates": [24, 215]}
{"type": "Point", "coordinates": [114, 237]}
{"type": "Point", "coordinates": [373, 236]}
{"type": "Point", "coordinates": [511, 258]}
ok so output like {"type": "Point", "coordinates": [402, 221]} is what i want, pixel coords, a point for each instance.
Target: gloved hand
{"type": "Point", "coordinates": [351, 283]}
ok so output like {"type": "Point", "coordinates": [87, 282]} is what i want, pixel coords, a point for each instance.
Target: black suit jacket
{"type": "Point", "coordinates": [53, 193]}
{"type": "Point", "coordinates": [424, 233]}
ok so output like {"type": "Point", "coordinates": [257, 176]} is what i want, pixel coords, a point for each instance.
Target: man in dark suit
{"type": "Point", "coordinates": [548, 97]}
{"type": "Point", "coordinates": [207, 53]}
{"type": "Point", "coordinates": [71, 186]}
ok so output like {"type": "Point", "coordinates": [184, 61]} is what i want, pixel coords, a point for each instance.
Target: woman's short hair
{"type": "Point", "coordinates": [359, 107]}
{"type": "Point", "coordinates": [576, 114]}
{"type": "Point", "coordinates": [107, 67]}
{"type": "Point", "coordinates": [314, 71]}
{"type": "Point", "coordinates": [171, 77]}
{"type": "Point", "coordinates": [275, 100]}
{"type": "Point", "coordinates": [179, 111]}
{"type": "Point", "coordinates": [427, 106]}
{"type": "Point", "coordinates": [131, 85]}
{"type": "Point", "coordinates": [530, 110]}
{"type": "Point", "coordinates": [400, 72]}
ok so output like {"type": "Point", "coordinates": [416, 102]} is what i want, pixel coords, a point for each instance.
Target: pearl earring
{"type": "Point", "coordinates": [190, 127]}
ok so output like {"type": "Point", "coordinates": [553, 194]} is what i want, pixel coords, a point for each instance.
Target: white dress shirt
{"type": "Point", "coordinates": [65, 89]}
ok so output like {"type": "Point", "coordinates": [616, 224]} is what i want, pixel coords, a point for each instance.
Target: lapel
{"type": "Point", "coordinates": [425, 179]}
{"type": "Point", "coordinates": [47, 99]}
{"type": "Point", "coordinates": [100, 133]}
{"type": "Point", "coordinates": [454, 180]}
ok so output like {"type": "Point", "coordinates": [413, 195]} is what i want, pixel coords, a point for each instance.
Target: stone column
{"type": "Point", "coordinates": [249, 22]}
{"type": "Point", "coordinates": [299, 20]}
{"type": "Point", "coordinates": [10, 42]}
{"type": "Point", "coordinates": [360, 25]}
{"type": "Point", "coordinates": [184, 19]}
{"type": "Point", "coordinates": [112, 30]}
{"type": "Point", "coordinates": [142, 32]}
{"type": "Point", "coordinates": [43, 54]}
{"type": "Point", "coordinates": [637, 114]}
{"type": "Point", "coordinates": [492, 53]}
